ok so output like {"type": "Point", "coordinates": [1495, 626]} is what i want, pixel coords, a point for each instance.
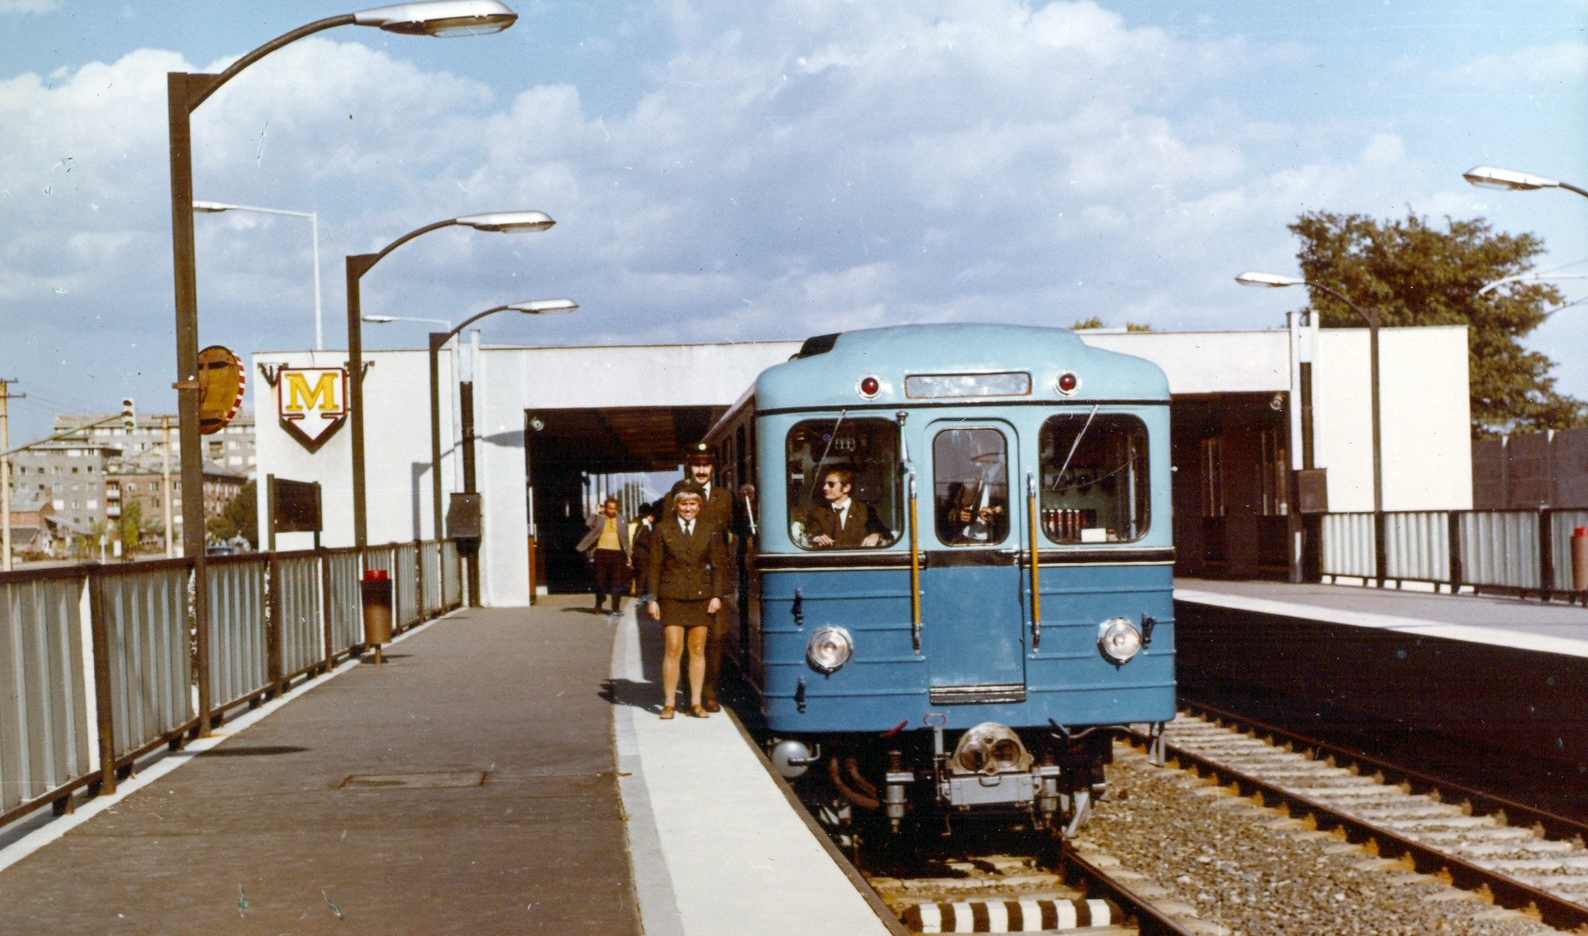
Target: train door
{"type": "Point", "coordinates": [972, 607]}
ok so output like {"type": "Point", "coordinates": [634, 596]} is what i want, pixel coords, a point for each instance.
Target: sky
{"type": "Point", "coordinates": [729, 171]}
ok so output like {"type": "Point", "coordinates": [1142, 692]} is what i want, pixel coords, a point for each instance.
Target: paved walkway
{"type": "Point", "coordinates": [271, 816]}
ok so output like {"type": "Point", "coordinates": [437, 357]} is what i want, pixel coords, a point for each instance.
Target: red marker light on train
{"type": "Point", "coordinates": [1068, 383]}
{"type": "Point", "coordinates": [869, 386]}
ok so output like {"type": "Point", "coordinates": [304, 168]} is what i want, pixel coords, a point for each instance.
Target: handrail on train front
{"type": "Point", "coordinates": [915, 573]}
{"type": "Point", "coordinates": [1036, 586]}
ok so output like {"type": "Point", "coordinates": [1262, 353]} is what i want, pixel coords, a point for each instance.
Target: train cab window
{"type": "Point", "coordinates": [844, 489]}
{"type": "Point", "coordinates": [1095, 487]}
{"type": "Point", "coordinates": [970, 488]}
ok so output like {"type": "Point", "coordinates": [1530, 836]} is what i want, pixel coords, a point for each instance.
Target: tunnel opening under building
{"type": "Point", "coordinates": [567, 452]}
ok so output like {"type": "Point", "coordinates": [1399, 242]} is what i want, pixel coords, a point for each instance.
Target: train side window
{"type": "Point", "coordinates": [829, 460]}
{"type": "Point", "coordinates": [970, 472]}
{"type": "Point", "coordinates": [1095, 486]}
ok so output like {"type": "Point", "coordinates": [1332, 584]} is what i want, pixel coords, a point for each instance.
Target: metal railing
{"type": "Point", "coordinates": [1524, 552]}
{"type": "Point", "coordinates": [98, 664]}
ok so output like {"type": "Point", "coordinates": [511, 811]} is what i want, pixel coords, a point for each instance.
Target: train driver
{"type": "Point", "coordinates": [842, 522]}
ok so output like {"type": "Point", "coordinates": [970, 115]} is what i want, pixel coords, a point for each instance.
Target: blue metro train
{"type": "Point", "coordinates": [957, 570]}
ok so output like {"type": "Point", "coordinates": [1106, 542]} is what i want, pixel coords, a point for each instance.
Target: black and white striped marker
{"type": "Point", "coordinates": [1009, 916]}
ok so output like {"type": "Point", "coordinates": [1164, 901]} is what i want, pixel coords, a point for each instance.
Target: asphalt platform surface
{"type": "Point", "coordinates": [467, 786]}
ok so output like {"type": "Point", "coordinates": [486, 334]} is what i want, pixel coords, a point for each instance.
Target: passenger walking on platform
{"type": "Point", "coordinates": [687, 577]}
{"type": "Point", "coordinates": [716, 511]}
{"type": "Point", "coordinates": [607, 544]}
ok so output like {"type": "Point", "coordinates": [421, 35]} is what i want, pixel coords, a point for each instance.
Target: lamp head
{"type": "Point", "coordinates": [508, 221]}
{"type": "Point", "coordinates": [1271, 280]}
{"type": "Point", "coordinates": [441, 18]}
{"type": "Point", "coordinates": [379, 319]}
{"type": "Point", "coordinates": [544, 306]}
{"type": "Point", "coordinates": [1508, 179]}
{"type": "Point", "coordinates": [209, 207]}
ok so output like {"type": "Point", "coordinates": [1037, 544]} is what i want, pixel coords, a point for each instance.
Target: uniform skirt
{"type": "Point", "coordinates": [685, 614]}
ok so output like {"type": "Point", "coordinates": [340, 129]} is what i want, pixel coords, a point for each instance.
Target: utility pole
{"type": "Point", "coordinates": [6, 396]}
{"type": "Point", "coordinates": [165, 494]}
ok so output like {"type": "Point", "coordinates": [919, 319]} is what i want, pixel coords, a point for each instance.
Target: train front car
{"type": "Point", "coordinates": [908, 477]}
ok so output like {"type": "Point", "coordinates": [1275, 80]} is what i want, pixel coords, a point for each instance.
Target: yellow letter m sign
{"type": "Point", "coordinates": [312, 403]}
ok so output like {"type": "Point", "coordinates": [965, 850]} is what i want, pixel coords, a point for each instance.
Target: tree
{"type": "Point", "coordinates": [242, 514]}
{"type": "Point", "coordinates": [130, 526]}
{"type": "Point", "coordinates": [1417, 275]}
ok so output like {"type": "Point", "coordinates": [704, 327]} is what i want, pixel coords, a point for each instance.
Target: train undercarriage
{"type": "Point", "coordinates": [990, 777]}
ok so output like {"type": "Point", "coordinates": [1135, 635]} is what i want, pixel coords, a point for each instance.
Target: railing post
{"type": "Point", "coordinates": [326, 608]}
{"type": "Point", "coordinates": [419, 580]}
{"type": "Point", "coordinates": [273, 625]}
{"type": "Point", "coordinates": [100, 627]}
{"type": "Point", "coordinates": [1546, 553]}
{"type": "Point", "coordinates": [1455, 551]}
{"type": "Point", "coordinates": [1380, 548]}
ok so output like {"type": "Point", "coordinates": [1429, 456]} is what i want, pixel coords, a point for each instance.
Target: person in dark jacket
{"type": "Point", "coordinates": [687, 577]}
{"type": "Point", "coordinates": [716, 511]}
{"type": "Point", "coordinates": [842, 522]}
{"type": "Point", "coordinates": [640, 538]}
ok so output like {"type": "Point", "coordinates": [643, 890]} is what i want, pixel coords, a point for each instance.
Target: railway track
{"type": "Point", "coordinates": [1522, 858]}
{"type": "Point", "coordinates": [1022, 894]}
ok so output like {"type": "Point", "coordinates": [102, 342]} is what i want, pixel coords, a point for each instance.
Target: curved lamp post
{"type": "Point", "coordinates": [185, 91]}
{"type": "Point", "coordinates": [1514, 181]}
{"type": "Point", "coordinates": [209, 207]}
{"type": "Point", "coordinates": [357, 266]}
{"type": "Point", "coordinates": [1279, 281]}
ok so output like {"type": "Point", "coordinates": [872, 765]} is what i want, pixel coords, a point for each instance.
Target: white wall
{"type": "Point", "coordinates": [1425, 407]}
{"type": "Point", "coordinates": [1209, 362]}
{"type": "Point", "coordinates": [396, 447]}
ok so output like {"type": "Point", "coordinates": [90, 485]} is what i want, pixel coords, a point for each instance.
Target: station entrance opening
{"type": "Point", "coordinates": [565, 448]}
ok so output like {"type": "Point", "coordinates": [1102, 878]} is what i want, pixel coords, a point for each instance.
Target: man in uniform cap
{"type": "Point", "coordinates": [716, 512]}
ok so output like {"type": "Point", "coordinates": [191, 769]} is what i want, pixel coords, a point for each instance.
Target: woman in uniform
{"type": "Point", "coordinates": [687, 577]}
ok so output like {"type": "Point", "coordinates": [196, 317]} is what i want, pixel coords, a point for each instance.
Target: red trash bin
{"type": "Point", "coordinates": [376, 587]}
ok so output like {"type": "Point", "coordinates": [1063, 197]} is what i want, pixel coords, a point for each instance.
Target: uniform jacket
{"type": "Point", "coordinates": [687, 568]}
{"type": "Point", "coordinates": [596, 521]}
{"type": "Point", "coordinates": [859, 523]}
{"type": "Point", "coordinates": [969, 494]}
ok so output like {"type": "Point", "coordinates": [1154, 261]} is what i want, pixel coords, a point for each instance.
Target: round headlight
{"type": "Point", "coordinates": [1118, 640]}
{"type": "Point", "coordinates": [829, 648]}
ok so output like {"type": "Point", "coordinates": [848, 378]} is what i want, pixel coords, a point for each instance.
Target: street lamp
{"type": "Point", "coordinates": [1280, 281]}
{"type": "Point", "coordinates": [1514, 181]}
{"type": "Point", "coordinates": [210, 207]}
{"type": "Point", "coordinates": [508, 222]}
{"type": "Point", "coordinates": [185, 91]}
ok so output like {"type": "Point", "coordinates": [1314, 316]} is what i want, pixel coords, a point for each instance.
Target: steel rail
{"type": "Point", "coordinates": [1506, 891]}
{"type": "Point", "coordinates": [1148, 920]}
{"type": "Point", "coordinates": [1556, 827]}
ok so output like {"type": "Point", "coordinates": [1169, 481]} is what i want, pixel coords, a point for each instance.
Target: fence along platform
{"type": "Point", "coordinates": [99, 666]}
{"type": "Point", "coordinates": [1522, 552]}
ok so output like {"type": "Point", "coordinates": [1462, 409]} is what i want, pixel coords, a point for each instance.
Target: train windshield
{"type": "Point", "coordinates": [1094, 478]}
{"type": "Point", "coordinates": [970, 471]}
{"type": "Point", "coordinates": [844, 490]}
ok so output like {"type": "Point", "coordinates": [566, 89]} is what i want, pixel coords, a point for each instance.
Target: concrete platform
{"type": "Point", "coordinates": [1502, 672]}
{"type": "Point", "coordinates": [1496, 621]}
{"type": "Point", "coordinates": [500, 774]}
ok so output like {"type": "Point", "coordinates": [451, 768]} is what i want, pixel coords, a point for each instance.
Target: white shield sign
{"type": "Point", "coordinates": [312, 403]}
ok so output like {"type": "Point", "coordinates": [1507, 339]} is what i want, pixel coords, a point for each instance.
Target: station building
{"type": "Point", "coordinates": [1266, 424]}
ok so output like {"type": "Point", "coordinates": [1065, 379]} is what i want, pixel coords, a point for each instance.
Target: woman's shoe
{"type": "Point", "coordinates": [667, 712]}
{"type": "Point", "coordinates": [699, 711]}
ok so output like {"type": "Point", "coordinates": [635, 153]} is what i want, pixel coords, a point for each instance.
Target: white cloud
{"type": "Point", "coordinates": [1563, 65]}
